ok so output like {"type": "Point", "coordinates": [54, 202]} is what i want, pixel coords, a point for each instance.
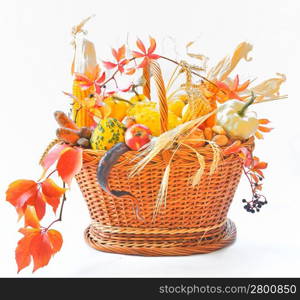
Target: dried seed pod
{"type": "Point", "coordinates": [219, 130]}
{"type": "Point", "coordinates": [208, 134]}
{"type": "Point", "coordinates": [220, 139]}
{"type": "Point", "coordinates": [84, 143]}
{"type": "Point", "coordinates": [68, 135]}
{"type": "Point", "coordinates": [85, 132]}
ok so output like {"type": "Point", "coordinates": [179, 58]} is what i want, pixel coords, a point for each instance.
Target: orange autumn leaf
{"type": "Point", "coordinates": [263, 121]}
{"type": "Point", "coordinates": [231, 92]}
{"type": "Point", "coordinates": [259, 135]}
{"type": "Point", "coordinates": [260, 173]}
{"type": "Point", "coordinates": [146, 54]}
{"type": "Point", "coordinates": [38, 245]}
{"type": "Point", "coordinates": [109, 65]}
{"type": "Point", "coordinates": [119, 56]}
{"type": "Point", "coordinates": [264, 129]}
{"type": "Point", "coordinates": [31, 218]}
{"type": "Point", "coordinates": [20, 191]}
{"type": "Point", "coordinates": [40, 249]}
{"type": "Point", "coordinates": [56, 240]}
{"type": "Point", "coordinates": [233, 148]}
{"type": "Point", "coordinates": [52, 193]}
{"type": "Point", "coordinates": [22, 253]}
{"type": "Point", "coordinates": [130, 71]}
{"type": "Point", "coordinates": [52, 156]}
{"type": "Point", "coordinates": [261, 165]}
{"type": "Point", "coordinates": [255, 178]}
{"type": "Point", "coordinates": [69, 164]}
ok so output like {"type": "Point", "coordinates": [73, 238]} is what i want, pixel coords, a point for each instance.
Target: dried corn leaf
{"type": "Point", "coordinates": [270, 87]}
{"type": "Point", "coordinates": [85, 61]}
{"type": "Point", "coordinates": [227, 64]}
{"type": "Point", "coordinates": [198, 56]}
{"type": "Point", "coordinates": [240, 52]}
{"type": "Point", "coordinates": [262, 99]}
{"type": "Point", "coordinates": [214, 71]}
{"type": "Point", "coordinates": [79, 28]}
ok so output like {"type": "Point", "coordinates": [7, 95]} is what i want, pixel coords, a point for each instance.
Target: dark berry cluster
{"type": "Point", "coordinates": [255, 204]}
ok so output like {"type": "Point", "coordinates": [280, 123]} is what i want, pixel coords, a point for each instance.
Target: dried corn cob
{"type": "Point", "coordinates": [85, 63]}
{"type": "Point", "coordinates": [79, 114]}
{"type": "Point", "coordinates": [197, 107]}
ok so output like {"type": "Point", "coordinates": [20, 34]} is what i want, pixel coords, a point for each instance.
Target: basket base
{"type": "Point", "coordinates": [179, 246]}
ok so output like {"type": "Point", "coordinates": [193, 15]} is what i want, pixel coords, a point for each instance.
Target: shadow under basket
{"type": "Point", "coordinates": [193, 219]}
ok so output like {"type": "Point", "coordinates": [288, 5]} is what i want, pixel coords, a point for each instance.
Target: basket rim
{"type": "Point", "coordinates": [91, 156]}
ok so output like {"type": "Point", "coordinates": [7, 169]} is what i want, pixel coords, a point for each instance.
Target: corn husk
{"type": "Point", "coordinates": [202, 58]}
{"type": "Point", "coordinates": [84, 61]}
{"type": "Point", "coordinates": [270, 87]}
{"type": "Point", "coordinates": [222, 70]}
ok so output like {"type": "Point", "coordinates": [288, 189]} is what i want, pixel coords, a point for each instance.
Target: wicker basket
{"type": "Point", "coordinates": [194, 220]}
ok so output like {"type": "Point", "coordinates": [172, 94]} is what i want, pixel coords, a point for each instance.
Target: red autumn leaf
{"type": "Point", "coordinates": [146, 54]}
{"type": "Point", "coordinates": [137, 54]}
{"type": "Point", "coordinates": [31, 218]}
{"type": "Point", "coordinates": [126, 89]}
{"type": "Point", "coordinates": [87, 82]}
{"type": "Point", "coordinates": [53, 155]}
{"type": "Point", "coordinates": [110, 93]}
{"type": "Point", "coordinates": [141, 46]}
{"type": "Point", "coordinates": [81, 77]}
{"type": "Point", "coordinates": [264, 129]}
{"type": "Point", "coordinates": [69, 164]}
{"type": "Point", "coordinates": [109, 65]}
{"type": "Point", "coordinates": [39, 245]}
{"type": "Point", "coordinates": [100, 79]}
{"type": "Point", "coordinates": [120, 54]}
{"type": "Point", "coordinates": [259, 172]}
{"type": "Point", "coordinates": [56, 240]}
{"type": "Point", "coordinates": [154, 56]}
{"type": "Point", "coordinates": [52, 193]}
{"type": "Point", "coordinates": [40, 249]}
{"type": "Point", "coordinates": [255, 178]}
{"type": "Point", "coordinates": [120, 59]}
{"type": "Point", "coordinates": [246, 154]}
{"type": "Point", "coordinates": [152, 47]}
{"type": "Point", "coordinates": [51, 189]}
{"type": "Point", "coordinates": [22, 253]}
{"type": "Point", "coordinates": [40, 205]}
{"type": "Point", "coordinates": [233, 148]}
{"type": "Point", "coordinates": [20, 192]}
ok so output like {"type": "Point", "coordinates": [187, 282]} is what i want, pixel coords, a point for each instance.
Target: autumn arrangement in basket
{"type": "Point", "coordinates": [157, 160]}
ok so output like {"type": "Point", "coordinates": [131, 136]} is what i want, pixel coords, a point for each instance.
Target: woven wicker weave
{"type": "Point", "coordinates": [193, 221]}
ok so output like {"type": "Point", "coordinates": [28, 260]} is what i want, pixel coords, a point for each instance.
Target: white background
{"type": "Point", "coordinates": [35, 67]}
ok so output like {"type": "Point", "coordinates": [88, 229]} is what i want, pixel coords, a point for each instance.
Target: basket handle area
{"type": "Point", "coordinates": [161, 92]}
